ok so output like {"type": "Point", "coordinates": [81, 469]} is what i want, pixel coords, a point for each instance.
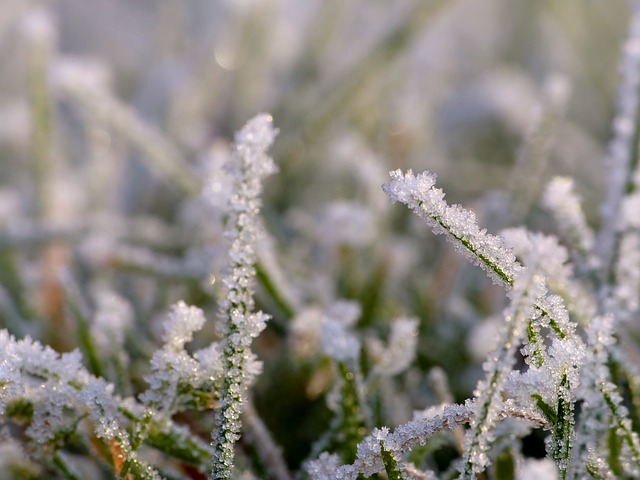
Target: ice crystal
{"type": "Point", "coordinates": [323, 466]}
{"type": "Point", "coordinates": [210, 364]}
{"type": "Point", "coordinates": [181, 323]}
{"type": "Point", "coordinates": [103, 410]}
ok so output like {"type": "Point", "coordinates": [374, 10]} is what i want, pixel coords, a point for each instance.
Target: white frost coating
{"type": "Point", "coordinates": [248, 166]}
{"type": "Point", "coordinates": [596, 418]}
{"type": "Point", "coordinates": [556, 267]}
{"type": "Point", "coordinates": [323, 466]}
{"type": "Point", "coordinates": [402, 440]}
{"type": "Point", "coordinates": [528, 291]}
{"type": "Point", "coordinates": [517, 238]}
{"type": "Point", "coordinates": [209, 364]}
{"type": "Point", "coordinates": [180, 324]}
{"type": "Point", "coordinates": [519, 386]}
{"type": "Point", "coordinates": [488, 251]}
{"type": "Point", "coordinates": [103, 411]}
{"type": "Point", "coordinates": [561, 200]}
{"type": "Point", "coordinates": [256, 137]}
{"type": "Point", "coordinates": [542, 252]}
{"type": "Point", "coordinates": [169, 369]}
{"type": "Point", "coordinates": [61, 391]}
{"type": "Point", "coordinates": [603, 405]}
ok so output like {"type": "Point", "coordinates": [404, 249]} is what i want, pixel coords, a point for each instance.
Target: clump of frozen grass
{"type": "Point", "coordinates": [52, 394]}
{"type": "Point", "coordinates": [532, 311]}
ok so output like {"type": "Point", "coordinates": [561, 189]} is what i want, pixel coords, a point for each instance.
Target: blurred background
{"type": "Point", "coordinates": [114, 112]}
{"type": "Point", "coordinates": [450, 86]}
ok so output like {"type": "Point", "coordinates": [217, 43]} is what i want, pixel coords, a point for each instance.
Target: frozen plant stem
{"type": "Point", "coordinates": [249, 165]}
{"type": "Point", "coordinates": [488, 251]}
{"type": "Point", "coordinates": [419, 194]}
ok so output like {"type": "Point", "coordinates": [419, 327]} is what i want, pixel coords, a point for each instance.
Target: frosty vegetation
{"type": "Point", "coordinates": [179, 304]}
